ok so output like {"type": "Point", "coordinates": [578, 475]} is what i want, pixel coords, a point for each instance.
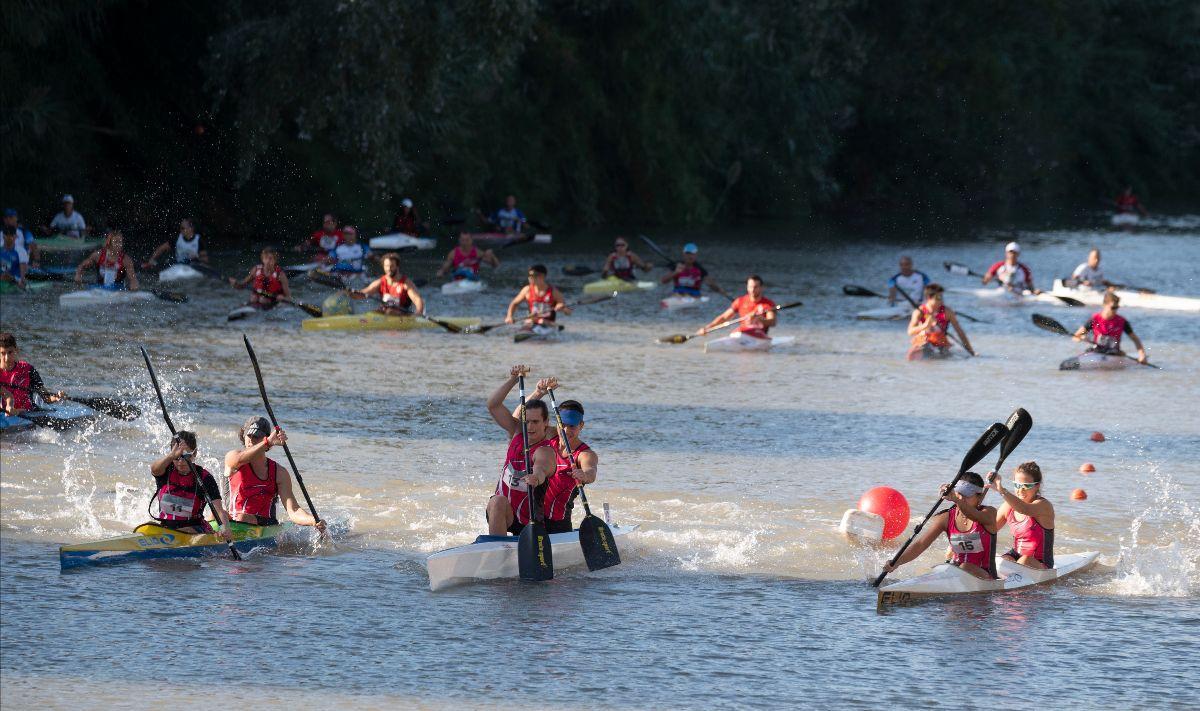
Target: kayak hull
{"type": "Point", "coordinates": [742, 342]}
{"type": "Point", "coordinates": [375, 321]}
{"type": "Point", "coordinates": [677, 302]}
{"type": "Point", "coordinates": [179, 272]}
{"type": "Point", "coordinates": [157, 542]}
{"type": "Point", "coordinates": [463, 286]}
{"type": "Point", "coordinates": [496, 239]}
{"type": "Point", "coordinates": [1134, 299]}
{"type": "Point", "coordinates": [494, 557]}
{"type": "Point", "coordinates": [12, 425]}
{"type": "Point", "coordinates": [1092, 360]}
{"type": "Point", "coordinates": [1125, 219]}
{"type": "Point", "coordinates": [1004, 297]}
{"type": "Point", "coordinates": [538, 334]}
{"type": "Point", "coordinates": [947, 580]}
{"type": "Point", "coordinates": [399, 240]}
{"type": "Point", "coordinates": [612, 283]}
{"type": "Point", "coordinates": [98, 296]}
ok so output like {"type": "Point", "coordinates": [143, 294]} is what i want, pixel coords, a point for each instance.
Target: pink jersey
{"type": "Point", "coordinates": [560, 487]}
{"type": "Point", "coordinates": [1014, 276]}
{"type": "Point", "coordinates": [465, 260]}
{"type": "Point", "coordinates": [975, 545]}
{"type": "Point", "coordinates": [1031, 539]}
{"type": "Point", "coordinates": [510, 485]}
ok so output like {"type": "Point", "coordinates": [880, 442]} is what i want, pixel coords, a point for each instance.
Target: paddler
{"type": "Point", "coordinates": [930, 324]}
{"type": "Point", "coordinates": [508, 508]}
{"type": "Point", "coordinates": [1010, 272]}
{"type": "Point", "coordinates": [19, 381]}
{"type": "Point", "coordinates": [398, 295]}
{"type": "Point", "coordinates": [908, 280]}
{"type": "Point", "coordinates": [257, 482]}
{"type": "Point", "coordinates": [14, 262]}
{"type": "Point", "coordinates": [25, 238]}
{"type": "Point", "coordinates": [509, 219]}
{"type": "Point", "coordinates": [324, 240]}
{"type": "Point", "coordinates": [114, 268]}
{"type": "Point", "coordinates": [622, 260]}
{"type": "Point", "coordinates": [689, 276]}
{"type": "Point", "coordinates": [464, 260]}
{"type": "Point", "coordinates": [187, 247]}
{"type": "Point", "coordinates": [407, 222]}
{"type": "Point", "coordinates": [970, 526]}
{"type": "Point", "coordinates": [544, 301]}
{"type": "Point", "coordinates": [180, 504]}
{"type": "Point", "coordinates": [1089, 275]}
{"type": "Point", "coordinates": [350, 256]}
{"type": "Point", "coordinates": [1107, 327]}
{"type": "Point", "coordinates": [756, 312]}
{"type": "Point", "coordinates": [570, 472]}
{"type": "Point", "coordinates": [1128, 203]}
{"type": "Point", "coordinates": [1030, 517]}
{"type": "Point", "coordinates": [268, 281]}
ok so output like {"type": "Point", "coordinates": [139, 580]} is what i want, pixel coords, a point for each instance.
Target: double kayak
{"type": "Point", "coordinates": [463, 286]}
{"type": "Point", "coordinates": [610, 284]}
{"type": "Point", "coordinates": [152, 541]}
{"type": "Point", "coordinates": [1129, 298]}
{"type": "Point", "coordinates": [399, 240]}
{"type": "Point", "coordinates": [946, 579]}
{"type": "Point", "coordinates": [1095, 360]}
{"type": "Point", "coordinates": [99, 296]}
{"type": "Point", "coordinates": [375, 321]}
{"type": "Point", "coordinates": [886, 313]}
{"type": "Point", "coordinates": [744, 342]}
{"type": "Point", "coordinates": [492, 557]}
{"type": "Point", "coordinates": [675, 302]}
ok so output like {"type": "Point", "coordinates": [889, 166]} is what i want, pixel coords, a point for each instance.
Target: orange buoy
{"type": "Point", "coordinates": [1097, 436]}
{"type": "Point", "coordinates": [1087, 468]}
{"type": "Point", "coordinates": [891, 505]}
{"type": "Point", "coordinates": [1079, 495]}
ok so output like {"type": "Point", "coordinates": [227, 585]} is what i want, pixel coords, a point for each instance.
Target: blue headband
{"type": "Point", "coordinates": [571, 418]}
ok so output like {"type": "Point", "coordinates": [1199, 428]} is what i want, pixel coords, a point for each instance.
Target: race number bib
{"type": "Point", "coordinates": [108, 276]}
{"type": "Point", "coordinates": [965, 543]}
{"type": "Point", "coordinates": [541, 308]}
{"type": "Point", "coordinates": [170, 505]}
{"type": "Point", "coordinates": [512, 477]}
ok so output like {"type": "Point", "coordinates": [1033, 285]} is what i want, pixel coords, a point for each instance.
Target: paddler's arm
{"type": "Point", "coordinates": [1081, 333]}
{"type": "Point", "coordinates": [237, 457]}
{"type": "Point", "coordinates": [544, 386]}
{"type": "Point", "coordinates": [712, 284]}
{"type": "Point", "coordinates": [985, 516]}
{"type": "Point", "coordinates": [607, 268]}
{"type": "Point", "coordinates": [153, 260]}
{"type": "Point", "coordinates": [586, 465]}
{"type": "Point", "coordinates": [87, 262]}
{"type": "Point", "coordinates": [367, 290]}
{"type": "Point", "coordinates": [36, 385]}
{"type": "Point", "coordinates": [639, 262]}
{"type": "Point", "coordinates": [666, 278]}
{"type": "Point", "coordinates": [917, 323]}
{"type": "Point", "coordinates": [512, 305]}
{"type": "Point", "coordinates": [489, 257]}
{"type": "Point", "coordinates": [446, 264]}
{"type": "Point", "coordinates": [560, 302]}
{"type": "Point", "coordinates": [214, 498]}
{"type": "Point", "coordinates": [962, 335]}
{"type": "Point", "coordinates": [544, 465]}
{"type": "Point", "coordinates": [495, 403]}
{"type": "Point", "coordinates": [1137, 342]}
{"type": "Point", "coordinates": [298, 516]}
{"type": "Point", "coordinates": [237, 284]}
{"type": "Point", "coordinates": [723, 316]}
{"type": "Point", "coordinates": [287, 289]}
{"type": "Point", "coordinates": [159, 467]}
{"type": "Point", "coordinates": [131, 280]}
{"type": "Point", "coordinates": [921, 543]}
{"type": "Point", "coordinates": [415, 296]}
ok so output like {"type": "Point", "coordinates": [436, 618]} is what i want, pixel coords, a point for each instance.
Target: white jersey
{"type": "Point", "coordinates": [350, 256]}
{"type": "Point", "coordinates": [187, 250]}
{"type": "Point", "coordinates": [1083, 272]}
{"type": "Point", "coordinates": [72, 226]}
{"type": "Point", "coordinates": [914, 285]}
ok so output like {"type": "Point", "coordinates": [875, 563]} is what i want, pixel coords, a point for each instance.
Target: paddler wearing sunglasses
{"type": "Point", "coordinates": [622, 260]}
{"type": "Point", "coordinates": [180, 502]}
{"type": "Point", "coordinates": [561, 489]}
{"type": "Point", "coordinates": [970, 526]}
{"type": "Point", "coordinates": [508, 508]}
{"type": "Point", "coordinates": [256, 482]}
{"type": "Point", "coordinates": [1108, 327]}
{"type": "Point", "coordinates": [1029, 515]}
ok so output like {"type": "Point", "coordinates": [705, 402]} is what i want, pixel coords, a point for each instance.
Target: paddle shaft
{"type": "Point", "coordinates": [262, 390]}
{"type": "Point", "coordinates": [582, 302]}
{"type": "Point", "coordinates": [734, 321]}
{"type": "Point", "coordinates": [233, 553]}
{"type": "Point", "coordinates": [535, 511]}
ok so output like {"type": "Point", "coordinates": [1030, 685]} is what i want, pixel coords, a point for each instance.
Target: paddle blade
{"type": "Point", "coordinates": [985, 444]}
{"type": "Point", "coordinates": [596, 299]}
{"type": "Point", "coordinates": [326, 279]}
{"type": "Point", "coordinates": [535, 558]}
{"type": "Point", "coordinates": [956, 268]}
{"type": "Point", "coordinates": [677, 338]}
{"type": "Point", "coordinates": [1018, 425]}
{"type": "Point", "coordinates": [577, 270]}
{"type": "Point", "coordinates": [444, 324]}
{"type": "Point", "coordinates": [523, 336]}
{"type": "Point", "coordinates": [599, 546]}
{"type": "Point", "coordinates": [174, 297]}
{"type": "Point", "coordinates": [1068, 300]}
{"type": "Point", "coordinates": [111, 407]}
{"type": "Point", "coordinates": [314, 311]}
{"type": "Point", "coordinates": [852, 290]}
{"type": "Point", "coordinates": [1048, 324]}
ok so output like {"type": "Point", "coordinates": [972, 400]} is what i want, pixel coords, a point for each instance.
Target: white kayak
{"type": "Point", "coordinates": [1126, 219]}
{"type": "Point", "coordinates": [1095, 360]}
{"type": "Point", "coordinates": [537, 334]}
{"type": "Point", "coordinates": [740, 341]}
{"type": "Point", "coordinates": [179, 272]}
{"type": "Point", "coordinates": [675, 302]}
{"type": "Point", "coordinates": [1134, 299]}
{"type": "Point", "coordinates": [97, 296]}
{"type": "Point", "coordinates": [886, 313]}
{"type": "Point", "coordinates": [492, 557]}
{"type": "Point", "coordinates": [302, 268]}
{"type": "Point", "coordinates": [1000, 295]}
{"type": "Point", "coordinates": [946, 579]}
{"type": "Point", "coordinates": [399, 240]}
{"type": "Point", "coordinates": [463, 286]}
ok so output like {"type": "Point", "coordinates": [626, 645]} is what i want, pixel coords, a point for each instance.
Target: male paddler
{"type": "Point", "coordinates": [908, 280]}
{"type": "Point", "coordinates": [181, 504]}
{"type": "Point", "coordinates": [1107, 327]}
{"type": "Point", "coordinates": [970, 526]}
{"type": "Point", "coordinates": [19, 381]}
{"type": "Point", "coordinates": [1089, 275]}
{"type": "Point", "coordinates": [508, 509]}
{"type": "Point", "coordinates": [544, 301]}
{"type": "Point", "coordinates": [756, 312]}
{"type": "Point", "coordinates": [463, 261]}
{"type": "Point", "coordinates": [689, 276]}
{"type": "Point", "coordinates": [399, 296]}
{"type": "Point", "coordinates": [1010, 272]}
{"type": "Point", "coordinates": [257, 482]}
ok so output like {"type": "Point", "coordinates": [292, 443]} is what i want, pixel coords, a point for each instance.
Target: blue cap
{"type": "Point", "coordinates": [570, 418]}
{"type": "Point", "coordinates": [10, 212]}
{"type": "Point", "coordinates": [690, 248]}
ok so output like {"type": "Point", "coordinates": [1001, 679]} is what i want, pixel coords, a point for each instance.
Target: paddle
{"type": "Point", "coordinates": [1019, 423]}
{"type": "Point", "coordinates": [112, 407]}
{"type": "Point", "coordinates": [582, 302]}
{"type": "Point", "coordinates": [681, 338]}
{"type": "Point", "coordinates": [667, 261]}
{"type": "Point", "coordinates": [326, 279]}
{"type": "Point", "coordinates": [175, 297]}
{"type": "Point", "coordinates": [1048, 324]}
{"type": "Point", "coordinates": [986, 443]}
{"type": "Point", "coordinates": [233, 553]}
{"type": "Point", "coordinates": [314, 311]}
{"type": "Point", "coordinates": [852, 290]}
{"type": "Point", "coordinates": [359, 296]}
{"type": "Point", "coordinates": [535, 556]}
{"type": "Point", "coordinates": [577, 270]}
{"type": "Point", "coordinates": [964, 270]}
{"type": "Point", "coordinates": [595, 537]}
{"type": "Point", "coordinates": [262, 390]}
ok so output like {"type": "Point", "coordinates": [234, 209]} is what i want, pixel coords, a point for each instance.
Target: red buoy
{"type": "Point", "coordinates": [1097, 436]}
{"type": "Point", "coordinates": [1087, 468]}
{"type": "Point", "coordinates": [1079, 495]}
{"type": "Point", "coordinates": [891, 505]}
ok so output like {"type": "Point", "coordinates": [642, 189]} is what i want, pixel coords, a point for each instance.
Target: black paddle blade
{"type": "Point", "coordinates": [1048, 324]}
{"type": "Point", "coordinates": [577, 270]}
{"type": "Point", "coordinates": [326, 279]}
{"type": "Point", "coordinates": [956, 268]}
{"type": "Point", "coordinates": [174, 297]}
{"type": "Point", "coordinates": [985, 444]}
{"type": "Point", "coordinates": [599, 546]}
{"type": "Point", "coordinates": [852, 290]}
{"type": "Point", "coordinates": [535, 558]}
{"type": "Point", "coordinates": [445, 324]}
{"type": "Point", "coordinates": [1019, 423]}
{"type": "Point", "coordinates": [677, 338]}
{"type": "Point", "coordinates": [314, 311]}
{"type": "Point", "coordinates": [1068, 300]}
{"type": "Point", "coordinates": [111, 407]}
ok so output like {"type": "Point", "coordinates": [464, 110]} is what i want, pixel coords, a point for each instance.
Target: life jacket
{"type": "Point", "coordinates": [512, 469]}
{"type": "Point", "coordinates": [689, 280]}
{"type": "Point", "coordinates": [745, 306]}
{"type": "Point", "coordinates": [407, 223]}
{"type": "Point", "coordinates": [1126, 203]}
{"type": "Point", "coordinates": [622, 267]}
{"type": "Point", "coordinates": [561, 487]}
{"type": "Point", "coordinates": [465, 260]}
{"type": "Point", "coordinates": [938, 338]}
{"type": "Point", "coordinates": [111, 272]}
{"type": "Point", "coordinates": [19, 380]}
{"type": "Point", "coordinates": [541, 306]}
{"type": "Point", "coordinates": [1031, 538]}
{"type": "Point", "coordinates": [975, 545]}
{"type": "Point", "coordinates": [179, 498]}
{"type": "Point", "coordinates": [251, 495]}
{"type": "Point", "coordinates": [269, 283]}
{"type": "Point", "coordinates": [395, 293]}
{"type": "Point", "coordinates": [187, 250]}
{"type": "Point", "coordinates": [1108, 331]}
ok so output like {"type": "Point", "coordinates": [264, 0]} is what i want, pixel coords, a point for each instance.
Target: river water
{"type": "Point", "coordinates": [736, 591]}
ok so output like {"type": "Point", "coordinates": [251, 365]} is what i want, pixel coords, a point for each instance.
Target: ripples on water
{"type": "Point", "coordinates": [739, 592]}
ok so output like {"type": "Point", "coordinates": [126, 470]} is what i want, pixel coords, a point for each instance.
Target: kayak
{"type": "Point", "coordinates": [928, 352]}
{"type": "Point", "coordinates": [61, 415]}
{"type": "Point", "coordinates": [946, 579]}
{"type": "Point", "coordinates": [612, 283]}
{"type": "Point", "coordinates": [741, 341]}
{"type": "Point", "coordinates": [10, 287]}
{"type": "Point", "coordinates": [51, 273]}
{"type": "Point", "coordinates": [399, 240]}
{"type": "Point", "coordinates": [293, 269]}
{"type": "Point", "coordinates": [1129, 298]}
{"type": "Point", "coordinates": [492, 557]}
{"type": "Point", "coordinates": [63, 243]}
{"type": "Point", "coordinates": [375, 321]}
{"type": "Point", "coordinates": [179, 272]}
{"type": "Point", "coordinates": [152, 541]}
{"type": "Point", "coordinates": [1095, 360]}
{"type": "Point", "coordinates": [243, 312]}
{"type": "Point", "coordinates": [497, 239]}
{"type": "Point", "coordinates": [537, 333]}
{"type": "Point", "coordinates": [1000, 295]}
{"type": "Point", "coordinates": [1126, 219]}
{"type": "Point", "coordinates": [674, 302]}
{"type": "Point", "coordinates": [886, 313]}
{"type": "Point", "coordinates": [10, 424]}
{"type": "Point", "coordinates": [463, 286]}
{"type": "Point", "coordinates": [99, 296]}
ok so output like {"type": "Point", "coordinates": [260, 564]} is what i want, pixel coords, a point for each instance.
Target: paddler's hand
{"type": "Point", "coordinates": [509, 319]}
{"type": "Point", "coordinates": [277, 437]}
{"type": "Point", "coordinates": [566, 310]}
{"type": "Point", "coordinates": [532, 480]}
{"type": "Point", "coordinates": [947, 493]}
{"type": "Point", "coordinates": [56, 397]}
{"type": "Point", "coordinates": [702, 331]}
{"type": "Point", "coordinates": [578, 475]}
{"type": "Point", "coordinates": [1142, 356]}
{"type": "Point", "coordinates": [233, 282]}
{"type": "Point", "coordinates": [518, 370]}
{"type": "Point", "coordinates": [547, 384]}
{"type": "Point", "coordinates": [993, 480]}
{"type": "Point", "coordinates": [320, 526]}
{"type": "Point", "coordinates": [78, 277]}
{"type": "Point", "coordinates": [225, 533]}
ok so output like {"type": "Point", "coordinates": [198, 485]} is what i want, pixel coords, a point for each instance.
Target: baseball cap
{"type": "Point", "coordinates": [690, 248]}
{"type": "Point", "coordinates": [256, 427]}
{"type": "Point", "coordinates": [68, 198]}
{"type": "Point", "coordinates": [406, 202]}
{"type": "Point", "coordinates": [10, 212]}
{"type": "Point", "coordinates": [1012, 247]}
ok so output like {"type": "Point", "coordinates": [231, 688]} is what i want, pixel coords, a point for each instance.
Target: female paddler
{"type": "Point", "coordinates": [930, 324]}
{"type": "Point", "coordinates": [508, 508]}
{"type": "Point", "coordinates": [1030, 517]}
{"type": "Point", "coordinates": [114, 268]}
{"type": "Point", "coordinates": [970, 526]}
{"type": "Point", "coordinates": [180, 502]}
{"type": "Point", "coordinates": [256, 482]}
{"type": "Point", "coordinates": [398, 295]}
{"type": "Point", "coordinates": [622, 260]}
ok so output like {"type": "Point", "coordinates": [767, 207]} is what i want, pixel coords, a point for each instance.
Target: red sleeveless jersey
{"type": "Point", "coordinates": [560, 487]}
{"type": "Point", "coordinates": [394, 293]}
{"type": "Point", "coordinates": [254, 496]}
{"type": "Point", "coordinates": [541, 306]}
{"type": "Point", "coordinates": [19, 381]}
{"type": "Point", "coordinates": [465, 260]}
{"type": "Point", "coordinates": [112, 264]}
{"type": "Point", "coordinates": [269, 283]}
{"type": "Point", "coordinates": [512, 469]}
{"type": "Point", "coordinates": [1108, 331]}
{"type": "Point", "coordinates": [179, 499]}
{"type": "Point", "coordinates": [936, 338]}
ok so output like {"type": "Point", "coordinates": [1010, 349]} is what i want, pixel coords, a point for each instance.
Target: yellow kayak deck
{"type": "Point", "coordinates": [375, 321]}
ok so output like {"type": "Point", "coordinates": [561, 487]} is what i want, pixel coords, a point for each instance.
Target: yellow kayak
{"type": "Point", "coordinates": [151, 541]}
{"type": "Point", "coordinates": [612, 283]}
{"type": "Point", "coordinates": [375, 321]}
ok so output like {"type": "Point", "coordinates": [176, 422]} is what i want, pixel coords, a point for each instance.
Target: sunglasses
{"type": "Point", "coordinates": [1020, 486]}
{"type": "Point", "coordinates": [621, 244]}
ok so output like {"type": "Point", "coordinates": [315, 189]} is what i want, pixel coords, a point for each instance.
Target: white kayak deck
{"type": "Point", "coordinates": [946, 579]}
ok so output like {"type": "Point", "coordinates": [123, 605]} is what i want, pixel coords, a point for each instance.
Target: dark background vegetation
{"type": "Point", "coordinates": [255, 116]}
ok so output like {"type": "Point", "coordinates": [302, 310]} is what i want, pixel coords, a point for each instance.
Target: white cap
{"type": "Point", "coordinates": [1012, 247]}
{"type": "Point", "coordinates": [68, 198]}
{"type": "Point", "coordinates": [406, 202]}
